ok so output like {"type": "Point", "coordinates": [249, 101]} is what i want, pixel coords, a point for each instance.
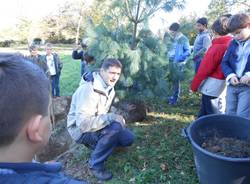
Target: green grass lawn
{"type": "Point", "coordinates": [70, 76]}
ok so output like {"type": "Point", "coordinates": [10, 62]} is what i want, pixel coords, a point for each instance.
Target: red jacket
{"type": "Point", "coordinates": [211, 62]}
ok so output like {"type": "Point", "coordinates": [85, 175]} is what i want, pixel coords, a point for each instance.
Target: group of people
{"type": "Point", "coordinates": [25, 89]}
{"type": "Point", "coordinates": [50, 63]}
{"type": "Point", "coordinates": [180, 51]}
{"type": "Point", "coordinates": [222, 64]}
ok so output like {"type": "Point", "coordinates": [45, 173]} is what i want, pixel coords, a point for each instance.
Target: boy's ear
{"type": "Point", "coordinates": [33, 129]}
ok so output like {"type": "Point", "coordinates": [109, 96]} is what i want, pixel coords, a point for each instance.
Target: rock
{"type": "Point", "coordinates": [61, 107]}
{"type": "Point", "coordinates": [59, 142]}
{"type": "Point", "coordinates": [132, 111]}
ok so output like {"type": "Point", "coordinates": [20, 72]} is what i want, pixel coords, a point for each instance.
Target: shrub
{"type": "Point", "coordinates": [6, 43]}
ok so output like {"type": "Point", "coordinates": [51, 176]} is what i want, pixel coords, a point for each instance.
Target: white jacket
{"type": "Point", "coordinates": [89, 107]}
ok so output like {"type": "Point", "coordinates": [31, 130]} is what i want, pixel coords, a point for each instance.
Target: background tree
{"type": "Point", "coordinates": [243, 3]}
{"type": "Point", "coordinates": [139, 11]}
{"type": "Point", "coordinates": [23, 29]}
{"type": "Point", "coordinates": [123, 33]}
{"type": "Point", "coordinates": [188, 27]}
{"type": "Point", "coordinates": [218, 8]}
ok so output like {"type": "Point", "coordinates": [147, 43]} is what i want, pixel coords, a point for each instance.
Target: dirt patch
{"type": "Point", "coordinates": [228, 146]}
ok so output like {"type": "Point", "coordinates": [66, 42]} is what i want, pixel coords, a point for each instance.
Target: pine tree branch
{"type": "Point", "coordinates": [129, 12]}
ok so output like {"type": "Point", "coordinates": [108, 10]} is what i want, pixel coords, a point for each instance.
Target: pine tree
{"type": "Point", "coordinates": [142, 54]}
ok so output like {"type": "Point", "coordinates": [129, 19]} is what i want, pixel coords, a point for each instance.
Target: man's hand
{"type": "Point", "coordinates": [117, 118]}
{"type": "Point", "coordinates": [191, 91]}
{"type": "Point", "coordinates": [245, 80]}
{"type": "Point", "coordinates": [234, 81]}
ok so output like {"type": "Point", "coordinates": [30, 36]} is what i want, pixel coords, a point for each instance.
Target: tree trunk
{"type": "Point", "coordinates": [134, 36]}
{"type": "Point", "coordinates": [134, 42]}
{"type": "Point", "coordinates": [78, 28]}
{"type": "Point", "coordinates": [79, 23]}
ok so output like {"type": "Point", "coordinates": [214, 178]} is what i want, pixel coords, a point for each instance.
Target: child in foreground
{"type": "Point", "coordinates": [25, 123]}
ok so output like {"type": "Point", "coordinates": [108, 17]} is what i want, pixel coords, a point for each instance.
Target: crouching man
{"type": "Point", "coordinates": [89, 122]}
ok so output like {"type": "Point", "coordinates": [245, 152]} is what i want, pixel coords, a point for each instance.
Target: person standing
{"type": "Point", "coordinates": [210, 80]}
{"type": "Point", "coordinates": [202, 42]}
{"type": "Point", "coordinates": [55, 66]}
{"type": "Point", "coordinates": [178, 52]}
{"type": "Point", "coordinates": [236, 66]}
{"type": "Point", "coordinates": [37, 59]}
{"type": "Point", "coordinates": [78, 53]}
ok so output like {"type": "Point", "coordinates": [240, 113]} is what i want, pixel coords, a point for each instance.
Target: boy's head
{"type": "Point", "coordinates": [239, 26]}
{"type": "Point", "coordinates": [174, 29]}
{"type": "Point", "coordinates": [24, 103]}
{"type": "Point", "coordinates": [48, 48]}
{"type": "Point", "coordinates": [33, 50]}
{"type": "Point", "coordinates": [88, 58]}
{"type": "Point", "coordinates": [201, 24]}
{"type": "Point", "coordinates": [111, 71]}
{"type": "Point", "coordinates": [219, 26]}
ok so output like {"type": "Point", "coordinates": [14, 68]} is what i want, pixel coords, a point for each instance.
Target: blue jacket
{"type": "Point", "coordinates": [230, 59]}
{"type": "Point", "coordinates": [30, 173]}
{"type": "Point", "coordinates": [201, 44]}
{"type": "Point", "coordinates": [80, 55]}
{"type": "Point", "coordinates": [181, 49]}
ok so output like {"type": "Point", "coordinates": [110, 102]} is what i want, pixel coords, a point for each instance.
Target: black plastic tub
{"type": "Point", "coordinates": [214, 168]}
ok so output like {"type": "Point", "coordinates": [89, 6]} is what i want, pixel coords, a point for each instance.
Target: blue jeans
{"type": "Point", "coordinates": [197, 63]}
{"type": "Point", "coordinates": [176, 88]}
{"type": "Point", "coordinates": [104, 141]}
{"type": "Point", "coordinates": [55, 85]}
{"type": "Point", "coordinates": [176, 71]}
{"type": "Point", "coordinates": [238, 101]}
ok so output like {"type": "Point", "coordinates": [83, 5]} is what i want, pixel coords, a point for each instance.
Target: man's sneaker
{"type": "Point", "coordinates": [102, 175]}
{"type": "Point", "coordinates": [172, 101]}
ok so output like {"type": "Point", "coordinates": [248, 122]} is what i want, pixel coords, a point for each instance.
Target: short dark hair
{"type": "Point", "coordinates": [228, 15]}
{"type": "Point", "coordinates": [220, 26]}
{"type": "Point", "coordinates": [33, 47]}
{"type": "Point", "coordinates": [49, 45]}
{"type": "Point", "coordinates": [88, 58]}
{"type": "Point", "coordinates": [24, 92]}
{"type": "Point", "coordinates": [174, 27]}
{"type": "Point", "coordinates": [238, 21]}
{"type": "Point", "coordinates": [110, 62]}
{"type": "Point", "coordinates": [203, 21]}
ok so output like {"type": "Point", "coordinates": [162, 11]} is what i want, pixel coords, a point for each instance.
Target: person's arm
{"type": "Point", "coordinates": [225, 65]}
{"type": "Point", "coordinates": [186, 50]}
{"type": "Point", "coordinates": [43, 64]}
{"type": "Point", "coordinates": [206, 43]}
{"type": "Point", "coordinates": [77, 55]}
{"type": "Point", "coordinates": [185, 47]}
{"type": "Point", "coordinates": [209, 63]}
{"type": "Point", "coordinates": [60, 64]}
{"type": "Point", "coordinates": [86, 103]}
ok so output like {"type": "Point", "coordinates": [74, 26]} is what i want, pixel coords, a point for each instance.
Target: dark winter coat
{"type": "Point", "coordinates": [30, 173]}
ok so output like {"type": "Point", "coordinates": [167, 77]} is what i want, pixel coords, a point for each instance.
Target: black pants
{"type": "Point", "coordinates": [206, 105]}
